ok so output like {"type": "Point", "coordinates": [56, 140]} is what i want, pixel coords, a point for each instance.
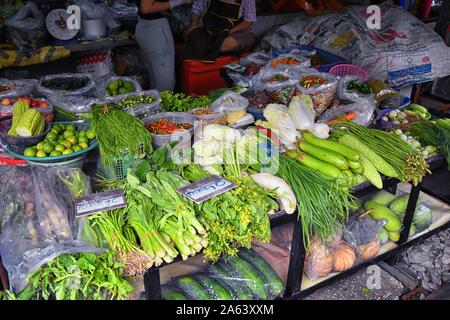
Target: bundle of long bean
{"type": "Point", "coordinates": [119, 133]}
{"type": "Point", "coordinates": [322, 203]}
{"type": "Point", "coordinates": [409, 164]}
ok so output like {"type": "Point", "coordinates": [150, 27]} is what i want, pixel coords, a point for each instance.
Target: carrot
{"type": "Point", "coordinates": [349, 116]}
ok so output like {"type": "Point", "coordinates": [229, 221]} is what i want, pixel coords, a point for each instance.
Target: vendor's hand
{"type": "Point", "coordinates": [176, 3]}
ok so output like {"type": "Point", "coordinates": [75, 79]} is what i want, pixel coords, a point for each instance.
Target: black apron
{"type": "Point", "coordinates": [204, 43]}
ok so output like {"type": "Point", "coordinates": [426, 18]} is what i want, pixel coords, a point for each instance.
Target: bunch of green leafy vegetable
{"type": "Point", "coordinates": [119, 134]}
{"type": "Point", "coordinates": [179, 102]}
{"type": "Point", "coordinates": [84, 276]}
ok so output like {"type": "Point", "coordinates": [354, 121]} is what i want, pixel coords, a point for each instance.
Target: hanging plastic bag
{"type": "Point", "coordinates": [36, 221]}
{"type": "Point", "coordinates": [114, 88]}
{"type": "Point", "coordinates": [67, 84]}
{"type": "Point", "coordinates": [345, 91]}
{"type": "Point", "coordinates": [26, 30]}
{"type": "Point", "coordinates": [321, 87]}
{"type": "Point", "coordinates": [361, 112]}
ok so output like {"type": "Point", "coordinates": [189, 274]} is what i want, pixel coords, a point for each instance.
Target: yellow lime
{"type": "Point", "coordinates": [60, 147]}
{"type": "Point", "coordinates": [30, 152]}
{"type": "Point", "coordinates": [76, 148]}
{"type": "Point", "coordinates": [66, 143]}
{"type": "Point", "coordinates": [72, 140]}
{"type": "Point", "coordinates": [71, 127]}
{"type": "Point", "coordinates": [83, 139]}
{"type": "Point", "coordinates": [84, 145]}
{"type": "Point", "coordinates": [39, 145]}
{"type": "Point", "coordinates": [41, 154]}
{"type": "Point", "coordinates": [68, 133]}
{"type": "Point", "coordinates": [90, 134]}
{"type": "Point", "coordinates": [55, 153]}
{"type": "Point", "coordinates": [67, 151]}
{"type": "Point", "coordinates": [48, 147]}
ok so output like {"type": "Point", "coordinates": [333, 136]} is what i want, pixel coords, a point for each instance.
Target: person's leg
{"type": "Point", "coordinates": [158, 52]}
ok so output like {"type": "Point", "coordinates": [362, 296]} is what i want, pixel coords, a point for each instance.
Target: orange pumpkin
{"type": "Point", "coordinates": [368, 250]}
{"type": "Point", "coordinates": [318, 261]}
{"type": "Point", "coordinates": [343, 257]}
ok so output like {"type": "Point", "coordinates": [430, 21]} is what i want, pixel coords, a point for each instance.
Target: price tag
{"type": "Point", "coordinates": [207, 188]}
{"type": "Point", "coordinates": [99, 202]}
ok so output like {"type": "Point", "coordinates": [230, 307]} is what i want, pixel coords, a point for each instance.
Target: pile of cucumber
{"type": "Point", "coordinates": [391, 209]}
{"type": "Point", "coordinates": [245, 277]}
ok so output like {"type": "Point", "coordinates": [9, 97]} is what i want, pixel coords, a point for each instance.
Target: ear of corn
{"type": "Point", "coordinates": [371, 173]}
{"type": "Point", "coordinates": [379, 163]}
{"type": "Point", "coordinates": [29, 123]}
{"type": "Point", "coordinates": [19, 109]}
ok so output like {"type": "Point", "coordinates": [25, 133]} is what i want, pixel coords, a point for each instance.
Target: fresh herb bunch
{"type": "Point", "coordinates": [179, 102]}
{"type": "Point", "coordinates": [134, 101]}
{"type": "Point", "coordinates": [119, 133]}
{"type": "Point", "coordinates": [84, 276]}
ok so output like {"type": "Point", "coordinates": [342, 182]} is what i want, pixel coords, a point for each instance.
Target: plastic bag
{"type": "Point", "coordinates": [259, 58]}
{"type": "Point", "coordinates": [67, 84]}
{"type": "Point", "coordinates": [36, 220]}
{"type": "Point", "coordinates": [73, 104]}
{"type": "Point", "coordinates": [350, 95]}
{"type": "Point", "coordinates": [26, 30]}
{"type": "Point", "coordinates": [364, 110]}
{"type": "Point", "coordinates": [141, 110]}
{"type": "Point", "coordinates": [290, 59]}
{"type": "Point", "coordinates": [422, 217]}
{"type": "Point", "coordinates": [268, 79]}
{"type": "Point", "coordinates": [284, 95]}
{"type": "Point", "coordinates": [318, 260]}
{"type": "Point", "coordinates": [322, 94]}
{"type": "Point", "coordinates": [362, 234]}
{"type": "Point", "coordinates": [230, 102]}
{"type": "Point", "coordinates": [14, 88]}
{"type": "Point", "coordinates": [102, 88]}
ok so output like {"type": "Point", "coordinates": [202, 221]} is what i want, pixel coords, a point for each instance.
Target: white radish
{"type": "Point", "coordinates": [286, 198]}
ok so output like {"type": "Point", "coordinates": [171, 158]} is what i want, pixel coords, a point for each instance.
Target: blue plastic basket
{"type": "Point", "coordinates": [330, 58]}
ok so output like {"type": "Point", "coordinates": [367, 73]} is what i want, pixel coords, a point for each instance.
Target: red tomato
{"type": "Point", "coordinates": [26, 100]}
{"type": "Point", "coordinates": [35, 103]}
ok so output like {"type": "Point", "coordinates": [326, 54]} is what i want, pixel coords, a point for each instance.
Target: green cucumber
{"type": "Point", "coordinates": [337, 147]}
{"type": "Point", "coordinates": [248, 275]}
{"type": "Point", "coordinates": [228, 281]}
{"type": "Point", "coordinates": [170, 293]}
{"type": "Point", "coordinates": [214, 288]}
{"type": "Point", "coordinates": [319, 165]}
{"type": "Point", "coordinates": [276, 285]}
{"type": "Point", "coordinates": [399, 204]}
{"type": "Point", "coordinates": [380, 212]}
{"type": "Point", "coordinates": [191, 288]}
{"type": "Point", "coordinates": [393, 236]}
{"type": "Point", "coordinates": [325, 155]}
{"type": "Point", "coordinates": [383, 197]}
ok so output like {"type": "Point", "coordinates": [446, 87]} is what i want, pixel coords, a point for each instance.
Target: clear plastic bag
{"type": "Point", "coordinates": [102, 88]}
{"type": "Point", "coordinates": [362, 234]}
{"type": "Point", "coordinates": [230, 102]}
{"type": "Point", "coordinates": [46, 85]}
{"type": "Point", "coordinates": [36, 220]}
{"type": "Point", "coordinates": [74, 104]}
{"type": "Point", "coordinates": [350, 95]}
{"type": "Point", "coordinates": [142, 110]}
{"type": "Point", "coordinates": [26, 30]}
{"type": "Point", "coordinates": [364, 110]}
{"type": "Point", "coordinates": [322, 94]}
{"type": "Point", "coordinates": [268, 79]}
{"type": "Point", "coordinates": [296, 59]}
{"type": "Point", "coordinates": [318, 260]}
{"type": "Point", "coordinates": [23, 87]}
{"type": "Point", "coordinates": [259, 58]}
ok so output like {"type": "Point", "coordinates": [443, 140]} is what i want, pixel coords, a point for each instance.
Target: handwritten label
{"type": "Point", "coordinates": [99, 202]}
{"type": "Point", "coordinates": [207, 188]}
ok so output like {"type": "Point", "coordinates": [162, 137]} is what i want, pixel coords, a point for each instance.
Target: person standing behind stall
{"type": "Point", "coordinates": [155, 39]}
{"type": "Point", "coordinates": [219, 26]}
